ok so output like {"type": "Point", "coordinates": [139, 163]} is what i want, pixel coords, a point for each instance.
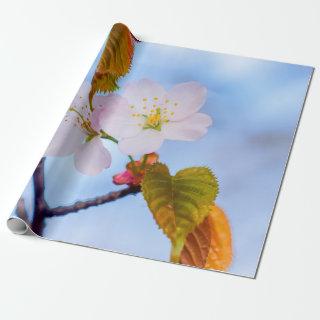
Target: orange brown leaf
{"type": "Point", "coordinates": [210, 244]}
{"type": "Point", "coordinates": [115, 60]}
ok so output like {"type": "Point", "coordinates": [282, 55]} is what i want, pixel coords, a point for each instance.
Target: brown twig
{"type": "Point", "coordinates": [40, 205]}
{"type": "Point", "coordinates": [42, 210]}
{"type": "Point", "coordinates": [111, 196]}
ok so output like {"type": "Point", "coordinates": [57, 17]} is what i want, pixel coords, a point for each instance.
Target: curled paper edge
{"type": "Point", "coordinates": [18, 222]}
{"type": "Point", "coordinates": [17, 225]}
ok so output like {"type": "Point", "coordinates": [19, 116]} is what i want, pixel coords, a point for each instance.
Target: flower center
{"type": "Point", "coordinates": [154, 120]}
{"type": "Point", "coordinates": [153, 112]}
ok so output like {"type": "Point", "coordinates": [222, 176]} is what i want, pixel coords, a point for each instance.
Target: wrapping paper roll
{"type": "Point", "coordinates": [168, 153]}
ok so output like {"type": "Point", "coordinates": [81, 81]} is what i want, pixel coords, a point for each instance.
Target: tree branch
{"type": "Point", "coordinates": [111, 196]}
{"type": "Point", "coordinates": [40, 205]}
{"type": "Point", "coordinates": [42, 210]}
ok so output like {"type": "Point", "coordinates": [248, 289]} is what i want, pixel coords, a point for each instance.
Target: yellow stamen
{"type": "Point", "coordinates": [154, 119]}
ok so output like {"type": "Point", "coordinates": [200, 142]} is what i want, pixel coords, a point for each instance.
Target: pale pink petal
{"type": "Point", "coordinates": [143, 95]}
{"type": "Point", "coordinates": [81, 100]}
{"type": "Point", "coordinates": [69, 136]}
{"type": "Point", "coordinates": [66, 140]}
{"type": "Point", "coordinates": [102, 103]}
{"type": "Point", "coordinates": [116, 118]}
{"type": "Point", "coordinates": [185, 99]}
{"type": "Point", "coordinates": [95, 119]}
{"type": "Point", "coordinates": [146, 141]}
{"type": "Point", "coordinates": [92, 157]}
{"type": "Point", "coordinates": [189, 129]}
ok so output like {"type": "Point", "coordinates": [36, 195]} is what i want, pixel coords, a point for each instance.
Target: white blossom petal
{"type": "Point", "coordinates": [189, 129]}
{"type": "Point", "coordinates": [92, 157]}
{"type": "Point", "coordinates": [185, 99]}
{"type": "Point", "coordinates": [105, 101]}
{"type": "Point", "coordinates": [143, 95]}
{"type": "Point", "coordinates": [146, 141]}
{"type": "Point", "coordinates": [116, 118]}
{"type": "Point", "coordinates": [81, 100]}
{"type": "Point", "coordinates": [67, 138]}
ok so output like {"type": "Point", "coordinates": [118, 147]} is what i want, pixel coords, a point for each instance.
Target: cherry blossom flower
{"type": "Point", "coordinates": [79, 134]}
{"type": "Point", "coordinates": [146, 114]}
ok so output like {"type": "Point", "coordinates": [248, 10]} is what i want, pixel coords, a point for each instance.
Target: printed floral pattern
{"type": "Point", "coordinates": [78, 134]}
{"type": "Point", "coordinates": [146, 114]}
{"type": "Point", "coordinates": [139, 121]}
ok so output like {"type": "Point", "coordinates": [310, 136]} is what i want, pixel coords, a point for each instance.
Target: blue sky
{"type": "Point", "coordinates": [255, 106]}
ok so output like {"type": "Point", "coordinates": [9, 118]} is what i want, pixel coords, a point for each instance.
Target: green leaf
{"type": "Point", "coordinates": [179, 203]}
{"type": "Point", "coordinates": [115, 61]}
